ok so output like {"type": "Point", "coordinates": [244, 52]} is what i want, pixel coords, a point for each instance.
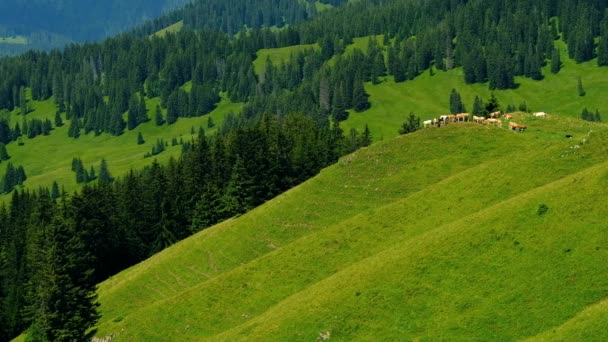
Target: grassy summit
{"type": "Point", "coordinates": [463, 232]}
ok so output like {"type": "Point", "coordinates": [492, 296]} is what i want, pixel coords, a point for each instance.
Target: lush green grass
{"type": "Point", "coordinates": [170, 29]}
{"type": "Point", "coordinates": [322, 7]}
{"type": "Point", "coordinates": [48, 158]}
{"type": "Point", "coordinates": [428, 96]}
{"type": "Point", "coordinates": [278, 56]}
{"type": "Point", "coordinates": [431, 236]}
{"type": "Point", "coordinates": [21, 40]}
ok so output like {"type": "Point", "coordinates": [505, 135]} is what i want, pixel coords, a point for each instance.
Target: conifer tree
{"type": "Point", "coordinates": [477, 106]}
{"type": "Point", "coordinates": [3, 153]}
{"type": "Point", "coordinates": [158, 116]}
{"type": "Point", "coordinates": [66, 308]}
{"type": "Point", "coordinates": [58, 120]}
{"type": "Point", "coordinates": [55, 190]}
{"type": "Point", "coordinates": [581, 90]}
{"type": "Point", "coordinates": [366, 137]}
{"type": "Point", "coordinates": [237, 198]}
{"type": "Point", "coordinates": [602, 50]}
{"type": "Point", "coordinates": [104, 173]}
{"type": "Point", "coordinates": [360, 97]}
{"type": "Point", "coordinates": [410, 125]}
{"type": "Point", "coordinates": [456, 105]}
{"type": "Point", "coordinates": [74, 130]}
{"type": "Point", "coordinates": [556, 63]}
{"type": "Point", "coordinates": [140, 139]}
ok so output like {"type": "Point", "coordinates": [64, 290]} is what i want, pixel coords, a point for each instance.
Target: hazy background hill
{"type": "Point", "coordinates": [52, 23]}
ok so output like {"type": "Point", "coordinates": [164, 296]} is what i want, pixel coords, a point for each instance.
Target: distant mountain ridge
{"type": "Point", "coordinates": [53, 23]}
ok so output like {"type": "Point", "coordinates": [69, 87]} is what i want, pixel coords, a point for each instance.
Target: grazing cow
{"type": "Point", "coordinates": [463, 116]}
{"type": "Point", "coordinates": [495, 115]}
{"type": "Point", "coordinates": [490, 121]}
{"type": "Point", "coordinates": [478, 119]}
{"type": "Point", "coordinates": [508, 116]}
{"type": "Point", "coordinates": [451, 117]}
{"type": "Point", "coordinates": [498, 123]}
{"type": "Point", "coordinates": [540, 114]}
{"type": "Point", "coordinates": [427, 123]}
{"type": "Point", "coordinates": [517, 127]}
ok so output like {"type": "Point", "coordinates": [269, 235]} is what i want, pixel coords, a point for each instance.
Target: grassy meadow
{"type": "Point", "coordinates": [428, 96]}
{"type": "Point", "coordinates": [49, 158]}
{"type": "Point", "coordinates": [20, 40]}
{"type": "Point", "coordinates": [436, 235]}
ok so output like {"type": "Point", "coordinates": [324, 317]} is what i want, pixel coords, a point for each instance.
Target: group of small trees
{"type": "Point", "coordinates": [12, 177]}
{"type": "Point", "coordinates": [587, 115]}
{"type": "Point", "coordinates": [83, 176]}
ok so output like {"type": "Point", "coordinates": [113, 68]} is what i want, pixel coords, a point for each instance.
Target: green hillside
{"type": "Point", "coordinates": [465, 232]}
{"type": "Point", "coordinates": [170, 29]}
{"type": "Point", "coordinates": [48, 158]}
{"type": "Point", "coordinates": [428, 96]}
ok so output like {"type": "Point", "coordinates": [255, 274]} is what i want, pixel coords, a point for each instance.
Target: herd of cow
{"type": "Point", "coordinates": [492, 119]}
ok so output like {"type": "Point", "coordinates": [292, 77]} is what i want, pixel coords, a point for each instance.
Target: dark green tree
{"type": "Point", "coordinates": [366, 137]}
{"type": "Point", "coordinates": [58, 120]}
{"type": "Point", "coordinates": [55, 190]}
{"type": "Point", "coordinates": [602, 50]}
{"type": "Point", "coordinates": [478, 106]}
{"type": "Point", "coordinates": [581, 90]}
{"type": "Point", "coordinates": [556, 63]}
{"type": "Point", "coordinates": [140, 139]}
{"type": "Point", "coordinates": [158, 116]}
{"type": "Point", "coordinates": [3, 153]}
{"type": "Point", "coordinates": [74, 130]}
{"type": "Point", "coordinates": [104, 173]}
{"type": "Point", "coordinates": [410, 125]}
{"type": "Point", "coordinates": [66, 307]}
{"type": "Point", "coordinates": [360, 97]}
{"type": "Point", "coordinates": [456, 105]}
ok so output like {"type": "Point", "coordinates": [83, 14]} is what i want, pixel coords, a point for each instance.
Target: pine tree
{"type": "Point", "coordinates": [74, 130]}
{"type": "Point", "coordinates": [91, 175]}
{"type": "Point", "coordinates": [3, 153]}
{"type": "Point", "coordinates": [556, 63]}
{"type": "Point", "coordinates": [158, 116]}
{"type": "Point", "coordinates": [366, 137]}
{"type": "Point", "coordinates": [58, 120]}
{"type": "Point", "coordinates": [581, 90]}
{"type": "Point", "coordinates": [339, 112]}
{"type": "Point", "coordinates": [478, 106]}
{"type": "Point", "coordinates": [210, 123]}
{"type": "Point", "coordinates": [237, 198]}
{"type": "Point", "coordinates": [360, 97]}
{"type": "Point", "coordinates": [602, 50]}
{"type": "Point", "coordinates": [104, 173]}
{"type": "Point", "coordinates": [55, 190]}
{"type": "Point", "coordinates": [140, 139]}
{"type": "Point", "coordinates": [456, 105]}
{"type": "Point", "coordinates": [410, 125]}
{"type": "Point", "coordinates": [143, 111]}
{"type": "Point", "coordinates": [66, 307]}
{"type": "Point", "coordinates": [23, 101]}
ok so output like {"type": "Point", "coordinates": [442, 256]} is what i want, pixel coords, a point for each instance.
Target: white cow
{"type": "Point", "coordinates": [540, 114]}
{"type": "Point", "coordinates": [427, 123]}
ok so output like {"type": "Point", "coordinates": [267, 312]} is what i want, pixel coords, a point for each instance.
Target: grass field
{"type": "Point", "coordinates": [428, 96]}
{"type": "Point", "coordinates": [172, 29]}
{"type": "Point", "coordinates": [48, 158]}
{"type": "Point", "coordinates": [431, 236]}
{"type": "Point", "coordinates": [21, 40]}
{"type": "Point", "coordinates": [278, 56]}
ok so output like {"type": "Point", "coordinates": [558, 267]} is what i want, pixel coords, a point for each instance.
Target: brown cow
{"type": "Point", "coordinates": [463, 116]}
{"type": "Point", "coordinates": [478, 119]}
{"type": "Point", "coordinates": [517, 127]}
{"type": "Point", "coordinates": [508, 116]}
{"type": "Point", "coordinates": [495, 114]}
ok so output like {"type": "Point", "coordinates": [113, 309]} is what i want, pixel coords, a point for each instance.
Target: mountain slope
{"type": "Point", "coordinates": [370, 247]}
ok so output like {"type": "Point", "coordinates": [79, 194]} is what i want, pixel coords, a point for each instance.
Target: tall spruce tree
{"type": "Point", "coordinates": [104, 173]}
{"type": "Point", "coordinates": [66, 307]}
{"type": "Point", "coordinates": [3, 152]}
{"type": "Point", "coordinates": [602, 50]}
{"type": "Point", "coordinates": [556, 62]}
{"type": "Point", "coordinates": [456, 105]}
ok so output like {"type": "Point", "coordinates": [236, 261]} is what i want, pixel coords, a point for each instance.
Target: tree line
{"type": "Point", "coordinates": [123, 221]}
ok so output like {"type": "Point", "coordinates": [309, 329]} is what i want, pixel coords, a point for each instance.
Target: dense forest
{"type": "Point", "coordinates": [288, 130]}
